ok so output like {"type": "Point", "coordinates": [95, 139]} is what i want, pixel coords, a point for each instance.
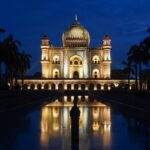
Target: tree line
{"type": "Point", "coordinates": [137, 57]}
{"type": "Point", "coordinates": [16, 62]}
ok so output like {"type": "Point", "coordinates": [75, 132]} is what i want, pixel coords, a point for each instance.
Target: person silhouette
{"type": "Point", "coordinates": [75, 114]}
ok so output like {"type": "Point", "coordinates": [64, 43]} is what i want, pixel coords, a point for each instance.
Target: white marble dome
{"type": "Point", "coordinates": [76, 36]}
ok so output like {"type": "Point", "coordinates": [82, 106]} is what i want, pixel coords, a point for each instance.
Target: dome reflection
{"type": "Point", "coordinates": [95, 118]}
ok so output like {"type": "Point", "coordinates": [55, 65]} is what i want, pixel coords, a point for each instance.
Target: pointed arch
{"type": "Point", "coordinates": [56, 73]}
{"type": "Point", "coordinates": [95, 73]}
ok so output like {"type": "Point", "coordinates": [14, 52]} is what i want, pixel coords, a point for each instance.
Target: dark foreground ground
{"type": "Point", "coordinates": [137, 102]}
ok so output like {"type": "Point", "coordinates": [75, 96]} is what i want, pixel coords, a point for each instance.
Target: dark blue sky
{"type": "Point", "coordinates": [125, 21]}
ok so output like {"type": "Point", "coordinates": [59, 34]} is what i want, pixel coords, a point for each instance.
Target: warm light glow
{"type": "Point", "coordinates": [29, 87]}
{"type": "Point", "coordinates": [35, 87]}
{"type": "Point", "coordinates": [109, 87]}
{"type": "Point", "coordinates": [42, 86]}
{"type": "Point", "coordinates": [55, 120]}
{"type": "Point", "coordinates": [86, 97]}
{"type": "Point", "coordinates": [102, 87]}
{"type": "Point", "coordinates": [72, 86]}
{"type": "Point", "coordinates": [65, 98]}
{"type": "Point", "coordinates": [56, 86]}
{"type": "Point", "coordinates": [95, 126]}
{"type": "Point", "coordinates": [79, 98]}
{"type": "Point", "coordinates": [95, 113]}
{"type": "Point", "coordinates": [55, 126]}
{"type": "Point", "coordinates": [86, 87]}
{"type": "Point", "coordinates": [55, 112]}
{"type": "Point", "coordinates": [116, 84]}
{"type": "Point", "coordinates": [95, 87]}
{"type": "Point", "coordinates": [65, 86]}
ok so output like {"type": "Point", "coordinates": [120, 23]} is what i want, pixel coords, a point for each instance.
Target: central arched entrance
{"type": "Point", "coordinates": [76, 67]}
{"type": "Point", "coordinates": [76, 75]}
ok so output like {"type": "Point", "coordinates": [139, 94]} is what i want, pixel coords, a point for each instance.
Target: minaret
{"type": "Point", "coordinates": [45, 57]}
{"type": "Point", "coordinates": [106, 57]}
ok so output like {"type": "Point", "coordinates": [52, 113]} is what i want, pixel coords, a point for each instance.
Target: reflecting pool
{"type": "Point", "coordinates": [49, 128]}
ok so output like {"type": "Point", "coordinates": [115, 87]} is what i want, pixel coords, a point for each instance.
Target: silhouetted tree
{"type": "Point", "coordinates": [1, 53]}
{"type": "Point", "coordinates": [128, 69]}
{"type": "Point", "coordinates": [10, 49]}
{"type": "Point", "coordinates": [133, 58]}
{"type": "Point", "coordinates": [24, 64]}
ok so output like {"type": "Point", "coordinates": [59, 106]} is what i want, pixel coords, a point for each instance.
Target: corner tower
{"type": "Point", "coordinates": [106, 57]}
{"type": "Point", "coordinates": [45, 57]}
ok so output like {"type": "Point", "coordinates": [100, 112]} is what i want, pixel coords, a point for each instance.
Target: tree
{"type": "Point", "coordinates": [23, 64]}
{"type": "Point", "coordinates": [128, 70]}
{"type": "Point", "coordinates": [11, 48]}
{"type": "Point", "coordinates": [1, 53]}
{"type": "Point", "coordinates": [133, 58]}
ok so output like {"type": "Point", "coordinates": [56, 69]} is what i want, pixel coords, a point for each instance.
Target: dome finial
{"type": "Point", "coordinates": [76, 17]}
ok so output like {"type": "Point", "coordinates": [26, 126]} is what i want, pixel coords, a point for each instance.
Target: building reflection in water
{"type": "Point", "coordinates": [94, 124]}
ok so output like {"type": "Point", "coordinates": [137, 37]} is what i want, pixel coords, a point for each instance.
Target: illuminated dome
{"type": "Point", "coordinates": [76, 36]}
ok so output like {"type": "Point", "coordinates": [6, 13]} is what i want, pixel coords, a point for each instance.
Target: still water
{"type": "Point", "coordinates": [49, 128]}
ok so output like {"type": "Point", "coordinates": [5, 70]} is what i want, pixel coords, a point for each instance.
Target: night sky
{"type": "Point", "coordinates": [124, 21]}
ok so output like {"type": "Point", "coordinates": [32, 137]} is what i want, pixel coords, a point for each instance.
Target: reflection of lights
{"type": "Point", "coordinates": [81, 117]}
{"type": "Point", "coordinates": [65, 117]}
{"type": "Point", "coordinates": [49, 87]}
{"type": "Point", "coordinates": [55, 120]}
{"type": "Point", "coordinates": [72, 98]}
{"type": "Point", "coordinates": [55, 126]}
{"type": "Point", "coordinates": [107, 127]}
{"type": "Point", "coordinates": [95, 113]}
{"type": "Point", "coordinates": [45, 112]}
{"type": "Point", "coordinates": [95, 126]}
{"type": "Point", "coordinates": [44, 126]}
{"type": "Point", "coordinates": [55, 112]}
{"type": "Point", "coordinates": [109, 88]}
{"type": "Point", "coordinates": [79, 98]}
{"type": "Point", "coordinates": [86, 97]}
{"type": "Point", "coordinates": [65, 98]}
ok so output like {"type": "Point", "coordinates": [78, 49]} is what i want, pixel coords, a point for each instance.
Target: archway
{"type": "Point", "coordinates": [60, 86]}
{"type": "Point", "coordinates": [82, 86]}
{"type": "Point", "coordinates": [76, 86]}
{"type": "Point", "coordinates": [46, 86]}
{"type": "Point", "coordinates": [96, 59]}
{"type": "Point", "coordinates": [91, 86]}
{"type": "Point", "coordinates": [39, 86]}
{"type": "Point", "coordinates": [56, 73]}
{"type": "Point", "coordinates": [76, 67]}
{"type": "Point", "coordinates": [95, 73]}
{"type": "Point", "coordinates": [25, 86]}
{"type": "Point", "coordinates": [98, 86]}
{"type": "Point", "coordinates": [32, 86]}
{"type": "Point", "coordinates": [53, 86]}
{"type": "Point", "coordinates": [56, 59]}
{"type": "Point", "coordinates": [76, 75]}
{"type": "Point", "coordinates": [68, 86]}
